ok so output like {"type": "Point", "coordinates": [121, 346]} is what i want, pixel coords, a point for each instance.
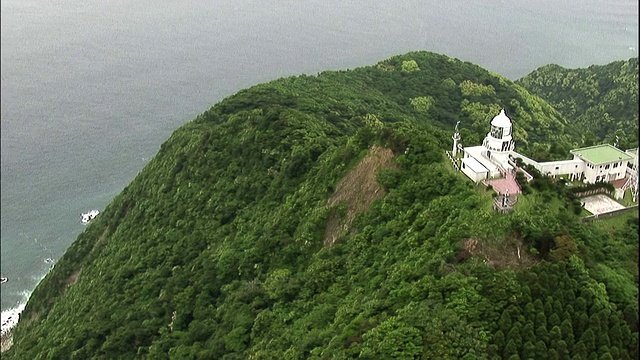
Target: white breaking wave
{"type": "Point", "coordinates": [10, 317]}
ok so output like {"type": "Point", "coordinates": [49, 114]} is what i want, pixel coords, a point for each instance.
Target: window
{"type": "Point", "coordinates": [496, 132]}
{"type": "Point", "coordinates": [606, 166]}
{"type": "Point", "coordinates": [615, 165]}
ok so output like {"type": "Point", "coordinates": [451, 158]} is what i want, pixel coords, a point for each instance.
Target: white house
{"type": "Point", "coordinates": [602, 162]}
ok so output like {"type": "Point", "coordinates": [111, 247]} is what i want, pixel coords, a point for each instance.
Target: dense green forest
{"type": "Point", "coordinates": [601, 100]}
{"type": "Point", "coordinates": [318, 217]}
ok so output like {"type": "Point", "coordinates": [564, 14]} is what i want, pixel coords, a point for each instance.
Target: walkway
{"type": "Point", "coordinates": [506, 184]}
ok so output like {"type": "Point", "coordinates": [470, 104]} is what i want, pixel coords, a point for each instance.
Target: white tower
{"type": "Point", "coordinates": [456, 138]}
{"type": "Point", "coordinates": [499, 142]}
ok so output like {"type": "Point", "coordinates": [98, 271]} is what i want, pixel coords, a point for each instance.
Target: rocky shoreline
{"type": "Point", "coordinates": [6, 340]}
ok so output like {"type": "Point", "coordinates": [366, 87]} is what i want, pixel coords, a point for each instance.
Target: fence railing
{"type": "Point", "coordinates": [593, 192]}
{"type": "Point", "coordinates": [453, 161]}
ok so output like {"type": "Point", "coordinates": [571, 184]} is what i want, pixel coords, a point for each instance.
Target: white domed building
{"type": "Point", "coordinates": [491, 159]}
{"type": "Point", "coordinates": [490, 162]}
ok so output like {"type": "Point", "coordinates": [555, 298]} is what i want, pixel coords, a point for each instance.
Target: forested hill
{"type": "Point", "coordinates": [601, 100]}
{"type": "Point", "coordinates": [318, 217]}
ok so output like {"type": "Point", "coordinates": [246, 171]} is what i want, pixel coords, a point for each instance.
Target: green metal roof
{"type": "Point", "coordinates": [601, 154]}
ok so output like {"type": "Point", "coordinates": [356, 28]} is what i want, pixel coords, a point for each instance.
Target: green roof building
{"type": "Point", "coordinates": [603, 162]}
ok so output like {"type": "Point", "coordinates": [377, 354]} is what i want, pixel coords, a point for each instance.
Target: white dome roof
{"type": "Point", "coordinates": [501, 120]}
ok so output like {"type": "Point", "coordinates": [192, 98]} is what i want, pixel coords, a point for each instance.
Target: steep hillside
{"type": "Point", "coordinates": [218, 249]}
{"type": "Point", "coordinates": [601, 101]}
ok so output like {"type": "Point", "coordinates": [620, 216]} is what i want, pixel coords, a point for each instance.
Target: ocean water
{"type": "Point", "coordinates": [90, 89]}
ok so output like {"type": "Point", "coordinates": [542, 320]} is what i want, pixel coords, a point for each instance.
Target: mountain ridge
{"type": "Point", "coordinates": [216, 250]}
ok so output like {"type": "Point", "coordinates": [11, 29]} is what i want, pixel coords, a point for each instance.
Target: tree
{"type": "Point", "coordinates": [580, 349]}
{"type": "Point", "coordinates": [529, 350]}
{"type": "Point", "coordinates": [604, 353]}
{"type": "Point", "coordinates": [582, 323]}
{"type": "Point", "coordinates": [422, 104]}
{"type": "Point", "coordinates": [564, 247]}
{"type": "Point", "coordinates": [542, 333]}
{"type": "Point", "coordinates": [561, 348]}
{"type": "Point", "coordinates": [553, 355]}
{"type": "Point", "coordinates": [567, 332]}
{"type": "Point", "coordinates": [392, 339]}
{"type": "Point", "coordinates": [603, 340]}
{"type": "Point", "coordinates": [510, 349]}
{"type": "Point", "coordinates": [498, 339]}
{"type": "Point", "coordinates": [528, 332]}
{"type": "Point", "coordinates": [589, 340]}
{"type": "Point", "coordinates": [410, 66]}
{"type": "Point", "coordinates": [541, 350]}
{"type": "Point", "coordinates": [541, 319]}
{"type": "Point", "coordinates": [279, 284]}
{"type": "Point", "coordinates": [554, 320]}
{"type": "Point", "coordinates": [515, 334]}
{"type": "Point", "coordinates": [555, 334]}
{"type": "Point", "coordinates": [504, 323]}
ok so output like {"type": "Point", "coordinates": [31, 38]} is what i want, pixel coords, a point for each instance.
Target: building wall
{"type": "Point", "coordinates": [606, 172]}
{"type": "Point", "coordinates": [476, 177]}
{"type": "Point", "coordinates": [573, 168]}
{"type": "Point", "coordinates": [525, 159]}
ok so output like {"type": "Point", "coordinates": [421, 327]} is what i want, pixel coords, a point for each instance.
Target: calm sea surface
{"type": "Point", "coordinates": [90, 89]}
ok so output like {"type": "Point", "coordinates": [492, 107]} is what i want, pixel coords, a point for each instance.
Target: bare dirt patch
{"type": "Point", "coordinates": [509, 253]}
{"type": "Point", "coordinates": [72, 279]}
{"type": "Point", "coordinates": [101, 239]}
{"type": "Point", "coordinates": [356, 191]}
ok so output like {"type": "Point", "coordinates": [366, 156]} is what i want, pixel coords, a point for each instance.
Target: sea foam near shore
{"type": "Point", "coordinates": [10, 317]}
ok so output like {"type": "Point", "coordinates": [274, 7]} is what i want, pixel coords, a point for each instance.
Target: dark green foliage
{"type": "Point", "coordinates": [216, 250]}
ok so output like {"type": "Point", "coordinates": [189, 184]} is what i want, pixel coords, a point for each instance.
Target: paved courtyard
{"type": "Point", "coordinates": [505, 185]}
{"type": "Point", "coordinates": [598, 204]}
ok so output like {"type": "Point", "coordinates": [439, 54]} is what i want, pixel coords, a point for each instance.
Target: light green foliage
{"type": "Point", "coordinates": [392, 339]}
{"type": "Point", "coordinates": [373, 122]}
{"type": "Point", "coordinates": [469, 88]}
{"type": "Point", "coordinates": [480, 115]}
{"type": "Point", "coordinates": [278, 284]}
{"type": "Point", "coordinates": [619, 284]}
{"type": "Point", "coordinates": [385, 66]}
{"type": "Point", "coordinates": [423, 104]}
{"type": "Point", "coordinates": [410, 66]}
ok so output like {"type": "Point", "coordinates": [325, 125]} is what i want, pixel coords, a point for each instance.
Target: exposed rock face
{"type": "Point", "coordinates": [357, 190]}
